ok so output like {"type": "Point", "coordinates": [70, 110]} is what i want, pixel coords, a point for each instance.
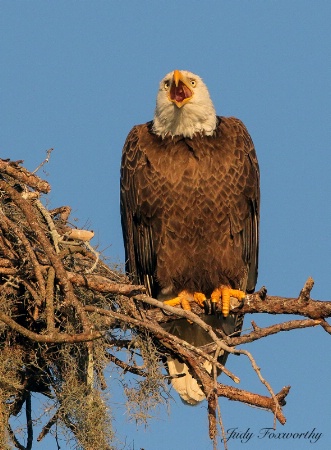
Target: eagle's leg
{"type": "Point", "coordinates": [184, 298]}
{"type": "Point", "coordinates": [224, 293]}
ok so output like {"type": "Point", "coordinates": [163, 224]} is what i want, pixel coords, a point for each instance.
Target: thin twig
{"type": "Point", "coordinates": [305, 291]}
{"type": "Point", "coordinates": [263, 380]}
{"type": "Point", "coordinates": [97, 257]}
{"type": "Point", "coordinates": [50, 301]}
{"type": "Point", "coordinates": [46, 160]}
{"type": "Point", "coordinates": [159, 332]}
{"type": "Point", "coordinates": [48, 218]}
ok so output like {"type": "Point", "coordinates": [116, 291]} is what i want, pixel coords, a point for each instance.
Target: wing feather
{"type": "Point", "coordinates": [250, 231]}
{"type": "Point", "coordinates": [140, 252]}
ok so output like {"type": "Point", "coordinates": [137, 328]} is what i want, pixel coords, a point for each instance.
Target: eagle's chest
{"type": "Point", "coordinates": [180, 168]}
{"type": "Point", "coordinates": [184, 185]}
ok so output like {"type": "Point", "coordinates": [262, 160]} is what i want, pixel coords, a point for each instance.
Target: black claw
{"type": "Point", "coordinates": [213, 308]}
{"type": "Point", "coordinates": [241, 304]}
{"type": "Point", "coordinates": [206, 307]}
{"type": "Point", "coordinates": [262, 292]}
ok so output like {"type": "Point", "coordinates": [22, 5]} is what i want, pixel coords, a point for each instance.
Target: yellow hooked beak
{"type": "Point", "coordinates": [180, 90]}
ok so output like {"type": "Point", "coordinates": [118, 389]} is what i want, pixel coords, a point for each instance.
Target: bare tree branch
{"type": "Point", "coordinates": [20, 174]}
{"type": "Point", "coordinates": [64, 314]}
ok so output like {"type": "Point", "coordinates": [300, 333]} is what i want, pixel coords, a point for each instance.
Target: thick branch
{"type": "Point", "coordinates": [260, 333]}
{"type": "Point", "coordinates": [21, 174]}
{"type": "Point", "coordinates": [253, 304]}
{"type": "Point", "coordinates": [103, 284]}
{"type": "Point", "coordinates": [314, 309]}
{"type": "Point", "coordinates": [52, 337]}
{"type": "Point", "coordinates": [252, 399]}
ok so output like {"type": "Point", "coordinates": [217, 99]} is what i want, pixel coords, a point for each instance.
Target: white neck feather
{"type": "Point", "coordinates": [196, 116]}
{"type": "Point", "coordinates": [185, 121]}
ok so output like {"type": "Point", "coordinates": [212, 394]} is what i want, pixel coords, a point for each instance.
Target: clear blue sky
{"type": "Point", "coordinates": [77, 75]}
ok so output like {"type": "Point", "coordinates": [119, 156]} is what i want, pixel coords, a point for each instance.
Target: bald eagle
{"type": "Point", "coordinates": [190, 212]}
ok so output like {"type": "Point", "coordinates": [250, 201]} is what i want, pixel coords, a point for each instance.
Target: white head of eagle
{"type": "Point", "coordinates": [183, 106]}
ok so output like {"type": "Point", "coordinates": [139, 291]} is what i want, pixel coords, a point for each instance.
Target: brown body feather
{"type": "Point", "coordinates": [190, 209]}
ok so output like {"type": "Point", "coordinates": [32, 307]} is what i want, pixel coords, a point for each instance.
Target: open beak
{"type": "Point", "coordinates": [180, 91]}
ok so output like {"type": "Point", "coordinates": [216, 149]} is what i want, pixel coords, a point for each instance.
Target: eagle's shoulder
{"type": "Point", "coordinates": [234, 128]}
{"type": "Point", "coordinates": [136, 134]}
{"type": "Point", "coordinates": [134, 147]}
{"type": "Point", "coordinates": [233, 134]}
{"type": "Point", "coordinates": [231, 126]}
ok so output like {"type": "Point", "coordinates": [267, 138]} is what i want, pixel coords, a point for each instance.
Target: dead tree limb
{"type": "Point", "coordinates": [20, 174]}
{"type": "Point", "coordinates": [64, 314]}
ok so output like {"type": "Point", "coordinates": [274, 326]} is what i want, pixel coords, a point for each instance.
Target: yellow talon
{"type": "Point", "coordinates": [225, 293]}
{"type": "Point", "coordinates": [183, 299]}
{"type": "Point", "coordinates": [185, 303]}
{"type": "Point", "coordinates": [222, 293]}
{"type": "Point", "coordinates": [199, 298]}
{"type": "Point", "coordinates": [215, 296]}
{"type": "Point", "coordinates": [236, 293]}
{"type": "Point", "coordinates": [174, 301]}
{"type": "Point", "coordinates": [225, 301]}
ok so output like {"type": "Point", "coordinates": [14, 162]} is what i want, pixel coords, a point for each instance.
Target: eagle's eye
{"type": "Point", "coordinates": [193, 83]}
{"type": "Point", "coordinates": [166, 85]}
